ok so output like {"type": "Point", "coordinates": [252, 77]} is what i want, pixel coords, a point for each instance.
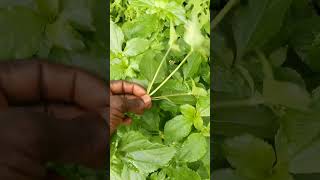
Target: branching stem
{"type": "Point", "coordinates": [172, 73]}
{"type": "Point", "coordinates": [158, 70]}
{"type": "Point", "coordinates": [223, 12]}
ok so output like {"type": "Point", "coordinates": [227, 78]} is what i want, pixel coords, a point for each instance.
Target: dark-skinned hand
{"type": "Point", "coordinates": [56, 113]}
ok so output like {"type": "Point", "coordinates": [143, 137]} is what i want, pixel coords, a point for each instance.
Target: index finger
{"type": "Point", "coordinates": [119, 87]}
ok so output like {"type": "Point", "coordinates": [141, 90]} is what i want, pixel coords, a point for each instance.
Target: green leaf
{"type": "Point", "coordinates": [188, 111]}
{"type": "Point", "coordinates": [193, 149]}
{"type": "Point", "coordinates": [278, 56]}
{"type": "Point", "coordinates": [177, 128]}
{"type": "Point", "coordinates": [203, 106]}
{"type": "Point", "coordinates": [234, 121]}
{"type": "Point", "coordinates": [226, 174]}
{"type": "Point", "coordinates": [196, 91]}
{"type": "Point", "coordinates": [150, 160]}
{"type": "Point", "coordinates": [136, 46]}
{"type": "Point", "coordinates": [184, 173]}
{"type": "Point", "coordinates": [141, 27]}
{"type": "Point", "coordinates": [256, 22]}
{"type": "Point", "coordinates": [284, 93]}
{"type": "Point", "coordinates": [191, 68]}
{"type": "Point", "coordinates": [133, 141]}
{"type": "Point", "coordinates": [144, 155]}
{"type": "Point", "coordinates": [305, 41]}
{"type": "Point", "coordinates": [307, 161]}
{"type": "Point", "coordinates": [15, 43]}
{"type": "Point", "coordinates": [62, 35]}
{"type": "Point", "coordinates": [300, 129]}
{"type": "Point", "coordinates": [116, 38]}
{"type": "Point", "coordinates": [149, 65]}
{"type": "Point", "coordinates": [151, 119]}
{"type": "Point", "coordinates": [198, 122]}
{"type": "Point", "coordinates": [129, 174]}
{"type": "Point", "coordinates": [169, 9]}
{"type": "Point", "coordinates": [250, 156]}
{"type": "Point", "coordinates": [158, 176]}
{"type": "Point", "coordinates": [78, 12]}
{"type": "Point", "coordinates": [49, 8]}
{"type": "Point", "coordinates": [10, 3]}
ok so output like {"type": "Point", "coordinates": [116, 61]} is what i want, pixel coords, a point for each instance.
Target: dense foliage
{"type": "Point", "coordinates": [72, 32]}
{"type": "Point", "coordinates": [164, 46]}
{"type": "Point", "coordinates": [266, 90]}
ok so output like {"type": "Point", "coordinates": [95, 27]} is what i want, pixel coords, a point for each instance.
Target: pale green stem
{"type": "Point", "coordinates": [267, 69]}
{"type": "Point", "coordinates": [239, 103]}
{"type": "Point", "coordinates": [177, 68]}
{"type": "Point", "coordinates": [158, 70]}
{"type": "Point", "coordinates": [172, 95]}
{"type": "Point", "coordinates": [223, 12]}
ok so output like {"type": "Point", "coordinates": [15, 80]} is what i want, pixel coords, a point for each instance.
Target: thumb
{"type": "Point", "coordinates": [135, 104]}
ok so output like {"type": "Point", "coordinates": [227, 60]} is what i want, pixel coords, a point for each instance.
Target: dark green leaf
{"type": "Point", "coordinates": [256, 22]}
{"type": "Point", "coordinates": [21, 33]}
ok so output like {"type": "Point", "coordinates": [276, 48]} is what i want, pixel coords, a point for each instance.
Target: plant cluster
{"type": "Point", "coordinates": [164, 46]}
{"type": "Point", "coordinates": [71, 32]}
{"type": "Point", "coordinates": [266, 123]}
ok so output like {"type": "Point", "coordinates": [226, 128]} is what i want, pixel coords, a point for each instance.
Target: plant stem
{"type": "Point", "coordinates": [172, 95]}
{"type": "Point", "coordinates": [174, 71]}
{"type": "Point", "coordinates": [267, 69]}
{"type": "Point", "coordinates": [158, 70]}
{"type": "Point", "coordinates": [237, 103]}
{"type": "Point", "coordinates": [223, 12]}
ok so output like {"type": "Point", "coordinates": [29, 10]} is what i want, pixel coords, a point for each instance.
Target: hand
{"type": "Point", "coordinates": [126, 97]}
{"type": "Point", "coordinates": [50, 112]}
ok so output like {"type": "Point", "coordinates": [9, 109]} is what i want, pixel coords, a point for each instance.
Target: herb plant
{"type": "Point", "coordinates": [266, 90]}
{"type": "Point", "coordinates": [164, 46]}
{"type": "Point", "coordinates": [70, 32]}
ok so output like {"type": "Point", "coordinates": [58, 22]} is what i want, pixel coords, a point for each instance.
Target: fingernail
{"type": "Point", "coordinates": [147, 101]}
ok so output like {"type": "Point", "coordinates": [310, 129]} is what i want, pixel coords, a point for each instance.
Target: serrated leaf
{"type": "Point", "coordinates": [193, 148]}
{"type": "Point", "coordinates": [284, 93]}
{"type": "Point", "coordinates": [143, 154]}
{"type": "Point", "coordinates": [15, 43]}
{"type": "Point", "coordinates": [257, 21]}
{"type": "Point", "coordinates": [191, 68]}
{"type": "Point", "coordinates": [307, 161]}
{"type": "Point", "coordinates": [188, 111]}
{"type": "Point", "coordinates": [203, 106]}
{"type": "Point", "coordinates": [185, 174]}
{"type": "Point", "coordinates": [78, 12]}
{"type": "Point", "coordinates": [49, 8]}
{"type": "Point", "coordinates": [136, 46]}
{"type": "Point", "coordinates": [149, 65]}
{"type": "Point", "coordinates": [141, 27]}
{"type": "Point", "coordinates": [177, 128]}
{"type": "Point", "coordinates": [62, 35]}
{"type": "Point", "coordinates": [226, 174]}
{"type": "Point", "coordinates": [304, 41]}
{"type": "Point", "coordinates": [116, 38]}
{"type": "Point", "coordinates": [151, 119]}
{"type": "Point", "coordinates": [251, 157]}
{"type": "Point", "coordinates": [130, 174]}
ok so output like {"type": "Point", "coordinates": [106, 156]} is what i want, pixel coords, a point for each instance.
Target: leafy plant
{"type": "Point", "coordinates": [266, 90]}
{"type": "Point", "coordinates": [164, 46]}
{"type": "Point", "coordinates": [71, 32]}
